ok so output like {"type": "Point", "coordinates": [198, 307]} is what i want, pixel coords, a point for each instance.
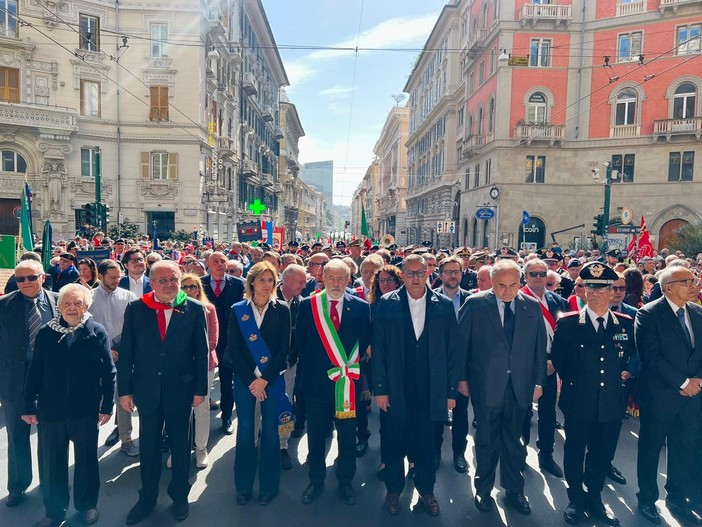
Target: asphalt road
{"type": "Point", "coordinates": [213, 495]}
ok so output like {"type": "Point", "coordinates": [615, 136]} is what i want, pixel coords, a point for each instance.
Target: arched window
{"type": "Point", "coordinates": [536, 112]}
{"type": "Point", "coordinates": [479, 131]}
{"type": "Point", "coordinates": [684, 101]}
{"type": "Point", "coordinates": [626, 108]}
{"type": "Point", "coordinates": [474, 233]}
{"type": "Point", "coordinates": [469, 132]}
{"type": "Point", "coordinates": [13, 162]}
{"type": "Point", "coordinates": [491, 116]}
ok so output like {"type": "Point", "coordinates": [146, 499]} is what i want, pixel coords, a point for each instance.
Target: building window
{"type": "Point", "coordinates": [9, 85]}
{"type": "Point", "coordinates": [476, 177]}
{"type": "Point", "coordinates": [481, 73]}
{"type": "Point", "coordinates": [88, 162]}
{"type": "Point", "coordinates": [624, 165]}
{"type": "Point", "coordinates": [8, 18]}
{"type": "Point", "coordinates": [535, 169]}
{"type": "Point", "coordinates": [630, 46]}
{"type": "Point", "coordinates": [471, 83]}
{"type": "Point", "coordinates": [479, 131]}
{"type": "Point", "coordinates": [491, 116]}
{"type": "Point", "coordinates": [488, 171]}
{"type": "Point", "coordinates": [540, 52]}
{"type": "Point", "coordinates": [89, 98]}
{"type": "Point", "coordinates": [466, 177]}
{"type": "Point", "coordinates": [159, 165]}
{"type": "Point", "coordinates": [159, 36]}
{"type": "Point", "coordinates": [13, 162]}
{"type": "Point", "coordinates": [89, 32]}
{"type": "Point", "coordinates": [469, 130]}
{"type": "Point", "coordinates": [680, 167]}
{"type": "Point", "coordinates": [688, 41]}
{"type": "Point", "coordinates": [684, 101]}
{"type": "Point", "coordinates": [461, 115]}
{"type": "Point", "coordinates": [159, 103]}
{"type": "Point", "coordinates": [625, 113]}
{"type": "Point", "coordinates": [536, 108]}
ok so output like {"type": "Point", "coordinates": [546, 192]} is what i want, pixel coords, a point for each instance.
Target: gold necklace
{"type": "Point", "coordinates": [260, 308]}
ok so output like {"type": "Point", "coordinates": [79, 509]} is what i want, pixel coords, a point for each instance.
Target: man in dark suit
{"type": "Point", "coordinates": [332, 328]}
{"type": "Point", "coordinates": [22, 314]}
{"type": "Point", "coordinates": [223, 290]}
{"type": "Point", "coordinates": [505, 349]}
{"type": "Point", "coordinates": [136, 280]}
{"type": "Point", "coordinates": [552, 306]}
{"type": "Point", "coordinates": [669, 341]}
{"type": "Point", "coordinates": [450, 271]}
{"type": "Point", "coordinates": [66, 273]}
{"type": "Point", "coordinates": [315, 266]}
{"type": "Point", "coordinates": [162, 370]}
{"type": "Point", "coordinates": [590, 351]}
{"type": "Point", "coordinates": [416, 368]}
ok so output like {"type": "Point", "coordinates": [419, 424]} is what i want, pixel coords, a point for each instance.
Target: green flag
{"type": "Point", "coordinates": [364, 222]}
{"type": "Point", "coordinates": [46, 246]}
{"type": "Point", "coordinates": [25, 225]}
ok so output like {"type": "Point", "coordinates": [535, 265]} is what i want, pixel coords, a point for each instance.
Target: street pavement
{"type": "Point", "coordinates": [213, 495]}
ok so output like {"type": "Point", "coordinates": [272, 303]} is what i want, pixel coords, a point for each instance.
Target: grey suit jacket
{"type": "Point", "coordinates": [489, 363]}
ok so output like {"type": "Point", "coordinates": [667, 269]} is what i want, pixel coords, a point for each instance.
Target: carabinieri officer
{"type": "Point", "coordinates": [590, 350]}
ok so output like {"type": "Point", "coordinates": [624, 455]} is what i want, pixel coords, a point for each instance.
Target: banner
{"type": "Point", "coordinates": [97, 256]}
{"type": "Point", "coordinates": [249, 231]}
{"type": "Point", "coordinates": [7, 251]}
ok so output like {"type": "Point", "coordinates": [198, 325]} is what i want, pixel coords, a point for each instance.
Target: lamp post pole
{"type": "Point", "coordinates": [605, 209]}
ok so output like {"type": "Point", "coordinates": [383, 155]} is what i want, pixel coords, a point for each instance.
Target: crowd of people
{"type": "Point", "coordinates": [304, 338]}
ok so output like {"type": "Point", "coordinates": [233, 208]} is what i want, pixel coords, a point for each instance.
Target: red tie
{"type": "Point", "coordinates": [217, 290]}
{"type": "Point", "coordinates": [335, 315]}
{"type": "Point", "coordinates": [161, 319]}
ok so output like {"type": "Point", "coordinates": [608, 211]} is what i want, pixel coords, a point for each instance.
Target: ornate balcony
{"type": "Point", "coordinates": [631, 8]}
{"type": "Point", "coordinates": [627, 130]}
{"type": "Point", "coordinates": [250, 84]}
{"type": "Point", "coordinates": [540, 132]}
{"type": "Point", "coordinates": [37, 116]}
{"type": "Point", "coordinates": [673, 5]}
{"type": "Point", "coordinates": [534, 13]}
{"type": "Point", "coordinates": [670, 127]}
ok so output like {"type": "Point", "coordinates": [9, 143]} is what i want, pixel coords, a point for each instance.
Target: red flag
{"type": "Point", "coordinates": [645, 245]}
{"type": "Point", "coordinates": [367, 244]}
{"type": "Point", "coordinates": [631, 248]}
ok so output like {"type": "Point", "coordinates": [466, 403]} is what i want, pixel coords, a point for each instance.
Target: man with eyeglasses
{"type": "Point", "coordinates": [416, 369]}
{"type": "Point", "coordinates": [450, 273]}
{"type": "Point", "coordinates": [669, 340]}
{"type": "Point", "coordinates": [136, 280]}
{"type": "Point", "coordinates": [504, 345]}
{"type": "Point", "coordinates": [22, 314]}
{"type": "Point", "coordinates": [552, 306]}
{"type": "Point", "coordinates": [315, 268]}
{"type": "Point", "coordinates": [151, 259]}
{"type": "Point", "coordinates": [591, 348]}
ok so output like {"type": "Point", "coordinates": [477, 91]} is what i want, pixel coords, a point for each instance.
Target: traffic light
{"type": "Point", "coordinates": [91, 216]}
{"type": "Point", "coordinates": [598, 225]}
{"type": "Point", "coordinates": [105, 217]}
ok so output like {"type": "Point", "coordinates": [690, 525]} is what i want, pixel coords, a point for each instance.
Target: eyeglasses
{"type": "Point", "coordinates": [598, 289]}
{"type": "Point", "coordinates": [689, 282]}
{"type": "Point", "coordinates": [231, 271]}
{"type": "Point", "coordinates": [193, 287]}
{"type": "Point", "coordinates": [619, 288]}
{"type": "Point", "coordinates": [415, 274]}
{"type": "Point", "coordinates": [541, 274]}
{"type": "Point", "coordinates": [31, 278]}
{"type": "Point", "coordinates": [164, 281]}
{"type": "Point", "coordinates": [450, 273]}
{"type": "Point", "coordinates": [387, 281]}
{"type": "Point", "coordinates": [136, 260]}
{"type": "Point", "coordinates": [579, 286]}
{"type": "Point", "coordinates": [79, 305]}
{"type": "Point", "coordinates": [550, 284]}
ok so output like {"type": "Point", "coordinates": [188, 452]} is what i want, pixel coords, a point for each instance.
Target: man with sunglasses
{"type": "Point", "coordinates": [669, 340]}
{"type": "Point", "coordinates": [591, 348]}
{"type": "Point", "coordinates": [552, 306]}
{"type": "Point", "coordinates": [22, 314]}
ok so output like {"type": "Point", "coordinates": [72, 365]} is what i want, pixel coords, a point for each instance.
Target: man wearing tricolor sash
{"type": "Point", "coordinates": [332, 327]}
{"type": "Point", "coordinates": [552, 306]}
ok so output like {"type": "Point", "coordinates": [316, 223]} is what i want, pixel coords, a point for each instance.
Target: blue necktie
{"type": "Point", "coordinates": [681, 319]}
{"type": "Point", "coordinates": [508, 324]}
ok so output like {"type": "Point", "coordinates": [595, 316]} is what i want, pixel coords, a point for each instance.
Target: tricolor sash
{"type": "Point", "coordinates": [262, 356]}
{"type": "Point", "coordinates": [346, 368]}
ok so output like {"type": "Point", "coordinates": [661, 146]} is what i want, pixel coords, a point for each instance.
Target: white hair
{"type": "Point", "coordinates": [85, 293]}
{"type": "Point", "coordinates": [335, 265]}
{"type": "Point", "coordinates": [504, 265]}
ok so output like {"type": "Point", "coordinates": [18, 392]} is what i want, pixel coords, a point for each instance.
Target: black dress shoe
{"type": "Point", "coordinates": [89, 517]}
{"type": "Point", "coordinates": [181, 510]}
{"type": "Point", "coordinates": [361, 448]}
{"type": "Point", "coordinates": [518, 502]}
{"type": "Point", "coordinates": [615, 475]}
{"type": "Point", "coordinates": [392, 504]}
{"type": "Point", "coordinates": [683, 513]}
{"type": "Point", "coordinates": [113, 438]}
{"type": "Point", "coordinates": [600, 513]}
{"type": "Point", "coordinates": [14, 499]}
{"type": "Point", "coordinates": [227, 427]}
{"type": "Point", "coordinates": [285, 461]}
{"type": "Point", "coordinates": [347, 494]}
{"type": "Point", "coordinates": [573, 514]}
{"type": "Point", "coordinates": [297, 432]}
{"type": "Point", "coordinates": [484, 502]}
{"type": "Point", "coordinates": [427, 503]}
{"type": "Point", "coordinates": [311, 493]}
{"type": "Point", "coordinates": [460, 464]}
{"type": "Point", "coordinates": [138, 512]}
{"type": "Point", "coordinates": [650, 512]}
{"type": "Point", "coordinates": [242, 499]}
{"type": "Point", "coordinates": [267, 497]}
{"type": "Point", "coordinates": [547, 464]}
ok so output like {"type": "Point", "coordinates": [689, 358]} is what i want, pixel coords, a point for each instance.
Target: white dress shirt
{"type": "Point", "coordinates": [418, 313]}
{"type": "Point", "coordinates": [137, 286]}
{"type": "Point", "coordinates": [594, 316]}
{"type": "Point", "coordinates": [167, 312]}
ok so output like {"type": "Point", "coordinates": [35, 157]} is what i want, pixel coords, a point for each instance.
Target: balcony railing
{"type": "Point", "coordinates": [674, 4]}
{"type": "Point", "coordinates": [37, 116]}
{"type": "Point", "coordinates": [540, 132]}
{"type": "Point", "coordinates": [670, 127]}
{"type": "Point", "coordinates": [477, 39]}
{"type": "Point", "coordinates": [249, 84]}
{"type": "Point", "coordinates": [627, 130]}
{"type": "Point", "coordinates": [535, 12]}
{"type": "Point", "coordinates": [631, 8]}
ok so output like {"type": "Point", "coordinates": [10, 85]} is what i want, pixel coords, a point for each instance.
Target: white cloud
{"type": "Point", "coordinates": [337, 91]}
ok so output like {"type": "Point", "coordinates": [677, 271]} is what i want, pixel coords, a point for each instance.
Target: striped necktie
{"type": "Point", "coordinates": [34, 324]}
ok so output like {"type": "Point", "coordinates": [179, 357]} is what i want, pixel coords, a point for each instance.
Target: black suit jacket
{"type": "Point", "coordinates": [168, 372]}
{"type": "Point", "coordinates": [462, 292]}
{"type": "Point", "coordinates": [294, 305]}
{"type": "Point", "coordinates": [13, 344]}
{"type": "Point", "coordinates": [275, 330]}
{"type": "Point", "coordinates": [667, 359]}
{"type": "Point", "coordinates": [233, 292]}
{"type": "Point", "coordinates": [314, 361]}
{"type": "Point", "coordinates": [488, 358]}
{"type": "Point", "coordinates": [390, 325]}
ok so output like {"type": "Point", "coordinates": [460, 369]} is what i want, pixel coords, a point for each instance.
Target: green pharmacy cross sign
{"type": "Point", "coordinates": [257, 207]}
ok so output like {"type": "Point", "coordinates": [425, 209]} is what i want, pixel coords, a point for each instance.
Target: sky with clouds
{"type": "Point", "coordinates": [343, 99]}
